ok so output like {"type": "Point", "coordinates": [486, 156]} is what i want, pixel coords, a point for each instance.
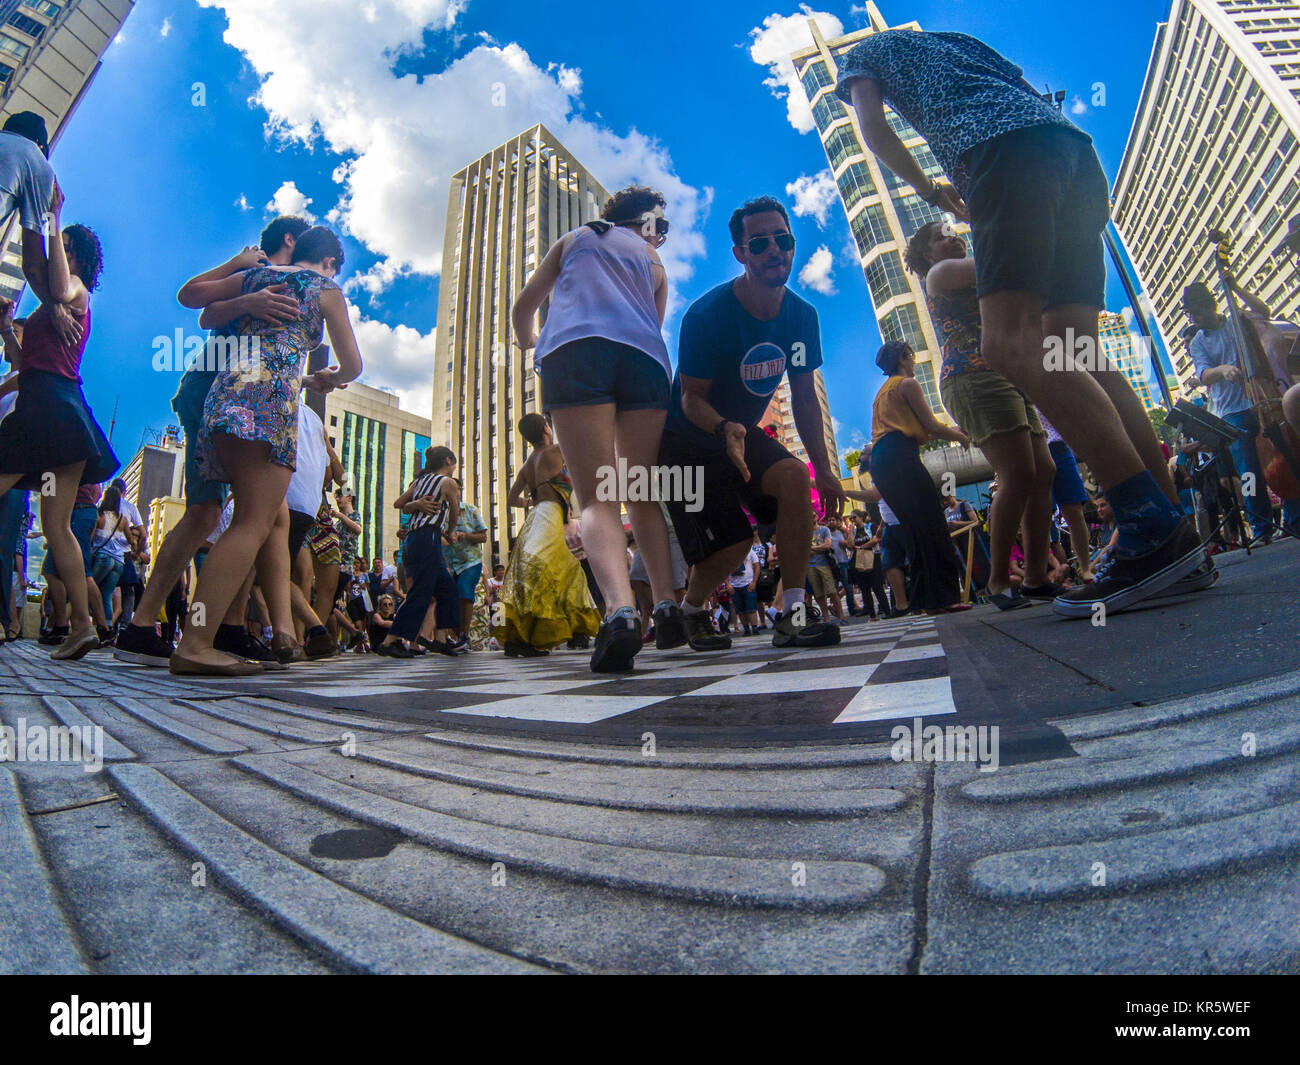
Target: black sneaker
{"type": "Point", "coordinates": [1198, 580]}
{"type": "Point", "coordinates": [816, 634]}
{"type": "Point", "coordinates": [54, 637]}
{"type": "Point", "coordinates": [1122, 582]}
{"type": "Point", "coordinates": [617, 643]}
{"type": "Point", "coordinates": [393, 650]}
{"type": "Point", "coordinates": [670, 628]}
{"type": "Point", "coordinates": [238, 641]}
{"type": "Point", "coordinates": [519, 649]}
{"type": "Point", "coordinates": [1046, 590]}
{"type": "Point", "coordinates": [440, 646]}
{"type": "Point", "coordinates": [142, 647]}
{"type": "Point", "coordinates": [701, 634]}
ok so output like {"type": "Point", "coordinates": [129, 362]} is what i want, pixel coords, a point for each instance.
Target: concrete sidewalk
{"type": "Point", "coordinates": [1144, 817]}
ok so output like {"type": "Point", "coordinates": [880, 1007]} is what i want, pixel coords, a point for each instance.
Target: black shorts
{"type": "Point", "coordinates": [1039, 201]}
{"type": "Point", "coordinates": [722, 521]}
{"type": "Point", "coordinates": [299, 526]}
{"type": "Point", "coordinates": [587, 372]}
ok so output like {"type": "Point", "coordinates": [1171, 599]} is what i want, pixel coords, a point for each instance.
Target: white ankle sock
{"type": "Point", "coordinates": [788, 599]}
{"type": "Point", "coordinates": [689, 610]}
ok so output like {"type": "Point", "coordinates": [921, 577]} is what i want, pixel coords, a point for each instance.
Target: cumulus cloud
{"type": "Point", "coordinates": [242, 203]}
{"type": "Point", "coordinates": [818, 272]}
{"type": "Point", "coordinates": [814, 195]}
{"type": "Point", "coordinates": [166, 27]}
{"type": "Point", "coordinates": [1078, 107]}
{"type": "Point", "coordinates": [773, 44]}
{"type": "Point", "coordinates": [289, 200]}
{"type": "Point", "coordinates": [326, 79]}
{"type": "Point", "coordinates": [397, 359]}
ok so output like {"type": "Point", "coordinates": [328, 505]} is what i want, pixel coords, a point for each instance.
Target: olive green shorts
{"type": "Point", "coordinates": [985, 404]}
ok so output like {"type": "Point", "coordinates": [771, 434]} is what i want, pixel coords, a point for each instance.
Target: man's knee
{"type": "Point", "coordinates": [788, 481]}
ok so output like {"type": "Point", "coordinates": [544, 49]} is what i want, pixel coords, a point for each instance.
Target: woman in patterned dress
{"type": "Point", "coordinates": [249, 439]}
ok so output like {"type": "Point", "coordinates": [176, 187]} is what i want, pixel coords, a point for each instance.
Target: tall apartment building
{"type": "Point", "coordinates": [1118, 349]}
{"type": "Point", "coordinates": [504, 211]}
{"type": "Point", "coordinates": [381, 447]}
{"type": "Point", "coordinates": [780, 415]}
{"type": "Point", "coordinates": [883, 211]}
{"type": "Point", "coordinates": [157, 471]}
{"type": "Point", "coordinates": [1214, 146]}
{"type": "Point", "coordinates": [50, 51]}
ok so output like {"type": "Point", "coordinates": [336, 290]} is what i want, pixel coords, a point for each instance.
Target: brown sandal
{"type": "Point", "coordinates": [188, 667]}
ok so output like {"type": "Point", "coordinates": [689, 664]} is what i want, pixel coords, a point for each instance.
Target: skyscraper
{"type": "Point", "coordinates": [780, 415]}
{"type": "Point", "coordinates": [1213, 146]}
{"type": "Point", "coordinates": [883, 212]}
{"type": "Point", "coordinates": [504, 211]}
{"type": "Point", "coordinates": [1119, 349]}
{"type": "Point", "coordinates": [49, 53]}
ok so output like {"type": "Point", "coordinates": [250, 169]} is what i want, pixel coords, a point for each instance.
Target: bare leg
{"type": "Point", "coordinates": [789, 483]}
{"type": "Point", "coordinates": [259, 487]}
{"type": "Point", "coordinates": [1079, 541]}
{"type": "Point", "coordinates": [1013, 327]}
{"type": "Point", "coordinates": [638, 433]}
{"type": "Point", "coordinates": [273, 570]}
{"type": "Point", "coordinates": [56, 520]}
{"type": "Point", "coordinates": [59, 601]}
{"type": "Point", "coordinates": [586, 436]}
{"type": "Point", "coordinates": [1012, 458]}
{"type": "Point", "coordinates": [898, 586]}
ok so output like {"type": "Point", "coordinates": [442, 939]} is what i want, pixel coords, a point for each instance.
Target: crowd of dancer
{"type": "Point", "coordinates": [749, 553]}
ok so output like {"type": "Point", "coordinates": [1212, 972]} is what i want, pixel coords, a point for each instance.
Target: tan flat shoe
{"type": "Point", "coordinates": [77, 644]}
{"type": "Point", "coordinates": [188, 667]}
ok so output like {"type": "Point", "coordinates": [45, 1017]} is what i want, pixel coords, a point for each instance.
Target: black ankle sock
{"type": "Point", "coordinates": [229, 631]}
{"type": "Point", "coordinates": [317, 630]}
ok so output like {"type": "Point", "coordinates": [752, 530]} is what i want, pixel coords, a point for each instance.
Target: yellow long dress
{"type": "Point", "coordinates": [544, 591]}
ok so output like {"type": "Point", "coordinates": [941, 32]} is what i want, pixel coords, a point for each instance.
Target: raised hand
{"type": "Point", "coordinates": [248, 258]}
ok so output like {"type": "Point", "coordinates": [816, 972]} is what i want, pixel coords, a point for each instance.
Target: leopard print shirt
{"type": "Point", "coordinates": [954, 90]}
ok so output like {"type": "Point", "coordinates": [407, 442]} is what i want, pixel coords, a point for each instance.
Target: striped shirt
{"type": "Point", "coordinates": [430, 484]}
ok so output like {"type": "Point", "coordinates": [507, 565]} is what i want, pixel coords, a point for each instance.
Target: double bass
{"type": "Point", "coordinates": [1277, 444]}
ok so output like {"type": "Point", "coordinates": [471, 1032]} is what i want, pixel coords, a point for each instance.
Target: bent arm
{"type": "Point", "coordinates": [911, 391]}
{"type": "Point", "coordinates": [534, 294]}
{"type": "Point", "coordinates": [342, 339]}
{"type": "Point", "coordinates": [881, 138]}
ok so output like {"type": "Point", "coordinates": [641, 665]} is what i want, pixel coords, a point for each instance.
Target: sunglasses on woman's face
{"type": "Point", "coordinates": [758, 245]}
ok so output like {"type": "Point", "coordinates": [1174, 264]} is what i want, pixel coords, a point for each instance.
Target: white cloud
{"type": "Point", "coordinates": [166, 27]}
{"type": "Point", "coordinates": [397, 359]}
{"type": "Point", "coordinates": [813, 195]}
{"type": "Point", "coordinates": [326, 80]}
{"type": "Point", "coordinates": [1078, 107]}
{"type": "Point", "coordinates": [773, 44]}
{"type": "Point", "coordinates": [818, 272]}
{"type": "Point", "coordinates": [242, 203]}
{"type": "Point", "coordinates": [289, 200]}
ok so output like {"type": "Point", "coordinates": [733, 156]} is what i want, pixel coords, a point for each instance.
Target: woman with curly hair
{"type": "Point", "coordinates": [51, 441]}
{"type": "Point", "coordinates": [605, 385]}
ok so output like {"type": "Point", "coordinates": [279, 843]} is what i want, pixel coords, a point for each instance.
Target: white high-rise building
{"type": "Point", "coordinates": [1214, 146]}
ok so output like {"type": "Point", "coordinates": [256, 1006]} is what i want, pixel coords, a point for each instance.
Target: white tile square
{"type": "Point", "coordinates": [578, 709]}
{"type": "Point", "coordinates": [905, 699]}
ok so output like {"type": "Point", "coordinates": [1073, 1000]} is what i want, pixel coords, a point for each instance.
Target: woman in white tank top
{"type": "Point", "coordinates": [605, 383]}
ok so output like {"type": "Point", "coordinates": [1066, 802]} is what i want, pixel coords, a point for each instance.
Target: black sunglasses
{"type": "Point", "coordinates": [758, 245]}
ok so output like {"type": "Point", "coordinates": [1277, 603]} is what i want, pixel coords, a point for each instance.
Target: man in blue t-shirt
{"type": "Point", "coordinates": [737, 343]}
{"type": "Point", "coordinates": [1215, 357]}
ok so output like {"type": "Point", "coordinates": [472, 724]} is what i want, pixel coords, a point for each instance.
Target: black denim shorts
{"type": "Point", "coordinates": [593, 370]}
{"type": "Point", "coordinates": [1039, 201]}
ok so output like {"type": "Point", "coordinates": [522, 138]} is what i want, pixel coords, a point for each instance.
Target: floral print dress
{"type": "Point", "coordinates": [260, 402]}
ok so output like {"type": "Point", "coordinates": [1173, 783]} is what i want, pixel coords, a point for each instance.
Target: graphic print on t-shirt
{"type": "Point", "coordinates": [762, 368]}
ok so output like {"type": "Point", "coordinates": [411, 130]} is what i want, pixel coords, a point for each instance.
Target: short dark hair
{"type": "Point", "coordinates": [531, 427]}
{"type": "Point", "coordinates": [629, 204]}
{"type": "Point", "coordinates": [759, 205]}
{"type": "Point", "coordinates": [30, 125]}
{"type": "Point", "coordinates": [891, 356]}
{"type": "Point", "coordinates": [918, 247]}
{"type": "Point", "coordinates": [89, 253]}
{"type": "Point", "coordinates": [316, 245]}
{"type": "Point", "coordinates": [287, 225]}
{"type": "Point", "coordinates": [435, 458]}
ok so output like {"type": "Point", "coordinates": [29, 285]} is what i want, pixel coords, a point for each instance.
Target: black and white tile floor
{"type": "Point", "coordinates": [880, 671]}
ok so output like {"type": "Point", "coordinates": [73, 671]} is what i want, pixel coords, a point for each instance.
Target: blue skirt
{"type": "Point", "coordinates": [51, 427]}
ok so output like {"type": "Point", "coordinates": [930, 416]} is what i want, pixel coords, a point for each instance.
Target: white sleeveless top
{"type": "Point", "coordinates": [308, 480]}
{"type": "Point", "coordinates": [605, 289]}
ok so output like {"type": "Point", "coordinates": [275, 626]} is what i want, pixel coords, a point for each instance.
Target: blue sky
{"type": "Point", "coordinates": [301, 100]}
